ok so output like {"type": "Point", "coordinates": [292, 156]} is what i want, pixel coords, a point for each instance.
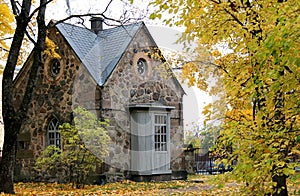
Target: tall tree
{"type": "Point", "coordinates": [12, 118]}
{"type": "Point", "coordinates": [257, 80]}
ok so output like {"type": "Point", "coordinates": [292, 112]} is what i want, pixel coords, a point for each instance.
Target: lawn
{"type": "Point", "coordinates": [195, 185]}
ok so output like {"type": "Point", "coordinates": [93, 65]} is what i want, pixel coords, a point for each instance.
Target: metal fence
{"type": "Point", "coordinates": [205, 163]}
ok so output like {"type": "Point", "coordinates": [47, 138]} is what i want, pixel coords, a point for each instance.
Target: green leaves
{"type": "Point", "coordinates": [85, 144]}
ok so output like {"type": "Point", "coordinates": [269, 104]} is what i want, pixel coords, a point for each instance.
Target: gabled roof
{"type": "Point", "coordinates": [109, 43]}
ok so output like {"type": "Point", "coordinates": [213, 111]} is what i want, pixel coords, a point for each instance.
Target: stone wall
{"type": "Point", "coordinates": [126, 86]}
{"type": "Point", "coordinates": [54, 97]}
{"type": "Point", "coordinates": [58, 96]}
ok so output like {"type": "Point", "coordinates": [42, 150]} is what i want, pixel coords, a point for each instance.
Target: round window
{"type": "Point", "coordinates": [142, 66]}
{"type": "Point", "coordinates": [55, 67]}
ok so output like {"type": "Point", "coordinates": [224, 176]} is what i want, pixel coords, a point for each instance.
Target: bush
{"type": "Point", "coordinates": [84, 146]}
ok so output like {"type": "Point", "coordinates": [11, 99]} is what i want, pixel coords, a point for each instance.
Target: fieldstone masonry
{"type": "Point", "coordinates": [53, 97]}
{"type": "Point", "coordinates": [58, 96]}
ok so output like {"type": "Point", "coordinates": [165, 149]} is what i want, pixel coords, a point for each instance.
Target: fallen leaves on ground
{"type": "Point", "coordinates": [196, 185]}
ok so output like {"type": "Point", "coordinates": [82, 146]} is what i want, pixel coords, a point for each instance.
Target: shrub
{"type": "Point", "coordinates": [84, 146]}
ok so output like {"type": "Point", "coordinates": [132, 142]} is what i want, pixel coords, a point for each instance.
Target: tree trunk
{"type": "Point", "coordinates": [12, 118]}
{"type": "Point", "coordinates": [7, 163]}
{"type": "Point", "coordinates": [6, 172]}
{"type": "Point", "coordinates": [280, 189]}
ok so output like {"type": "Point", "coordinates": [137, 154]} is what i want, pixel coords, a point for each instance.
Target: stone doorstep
{"type": "Point", "coordinates": [151, 178]}
{"type": "Point", "coordinates": [114, 177]}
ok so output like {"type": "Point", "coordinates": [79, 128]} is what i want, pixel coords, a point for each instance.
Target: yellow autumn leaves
{"type": "Point", "coordinates": [5, 23]}
{"type": "Point", "coordinates": [195, 185]}
{"type": "Point", "coordinates": [257, 84]}
{"type": "Point", "coordinates": [6, 29]}
{"type": "Point", "coordinates": [50, 49]}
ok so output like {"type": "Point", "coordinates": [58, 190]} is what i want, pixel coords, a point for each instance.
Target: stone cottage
{"type": "Point", "coordinates": [115, 73]}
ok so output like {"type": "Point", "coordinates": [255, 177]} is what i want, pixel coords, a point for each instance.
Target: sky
{"type": "Point", "coordinates": [115, 10]}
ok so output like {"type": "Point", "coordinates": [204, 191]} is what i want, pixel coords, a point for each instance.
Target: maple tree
{"type": "Point", "coordinates": [256, 79]}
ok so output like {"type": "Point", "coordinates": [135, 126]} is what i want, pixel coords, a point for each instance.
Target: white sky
{"type": "Point", "coordinates": [59, 9]}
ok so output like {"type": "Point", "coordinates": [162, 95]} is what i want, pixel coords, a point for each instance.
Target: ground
{"type": "Point", "coordinates": [195, 185]}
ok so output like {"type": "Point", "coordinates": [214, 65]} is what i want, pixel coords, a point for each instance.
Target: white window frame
{"type": "Point", "coordinates": [161, 132]}
{"type": "Point", "coordinates": [53, 135]}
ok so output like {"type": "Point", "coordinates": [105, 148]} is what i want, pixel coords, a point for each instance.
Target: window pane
{"type": "Point", "coordinates": [160, 127]}
{"type": "Point", "coordinates": [156, 129]}
{"type": "Point", "coordinates": [163, 129]}
{"type": "Point", "coordinates": [53, 133]}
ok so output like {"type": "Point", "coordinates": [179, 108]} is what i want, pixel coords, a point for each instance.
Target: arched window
{"type": "Point", "coordinates": [53, 133]}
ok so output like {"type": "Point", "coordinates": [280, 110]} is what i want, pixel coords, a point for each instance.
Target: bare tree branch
{"type": "Point", "coordinates": [14, 6]}
{"type": "Point", "coordinates": [31, 30]}
{"type": "Point", "coordinates": [6, 38]}
{"type": "Point", "coordinates": [107, 6]}
{"type": "Point", "coordinates": [4, 49]}
{"type": "Point", "coordinates": [38, 8]}
{"type": "Point", "coordinates": [85, 15]}
{"type": "Point", "coordinates": [30, 38]}
{"type": "Point", "coordinates": [121, 21]}
{"type": "Point", "coordinates": [201, 62]}
{"type": "Point", "coordinates": [69, 7]}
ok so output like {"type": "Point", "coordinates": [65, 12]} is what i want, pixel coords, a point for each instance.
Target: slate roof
{"type": "Point", "coordinates": [101, 52]}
